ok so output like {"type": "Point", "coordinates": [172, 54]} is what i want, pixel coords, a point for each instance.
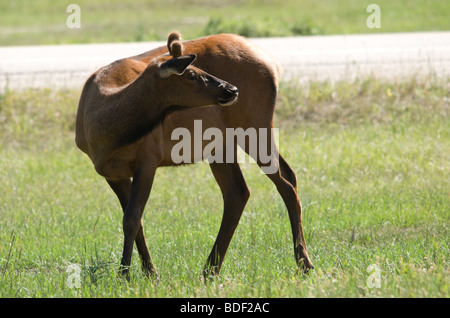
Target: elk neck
{"type": "Point", "coordinates": [132, 112]}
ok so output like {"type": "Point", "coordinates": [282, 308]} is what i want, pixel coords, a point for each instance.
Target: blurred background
{"type": "Point", "coordinates": [25, 22]}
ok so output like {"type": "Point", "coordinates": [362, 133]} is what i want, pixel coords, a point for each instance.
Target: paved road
{"type": "Point", "coordinates": [334, 57]}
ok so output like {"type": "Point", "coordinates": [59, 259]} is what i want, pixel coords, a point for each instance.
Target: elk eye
{"type": "Point", "coordinates": [192, 76]}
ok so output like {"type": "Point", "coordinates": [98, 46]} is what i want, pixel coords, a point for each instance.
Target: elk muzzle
{"type": "Point", "coordinates": [230, 96]}
{"type": "Point", "coordinates": [226, 93]}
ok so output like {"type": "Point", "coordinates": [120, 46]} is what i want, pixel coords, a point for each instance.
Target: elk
{"type": "Point", "coordinates": [129, 108]}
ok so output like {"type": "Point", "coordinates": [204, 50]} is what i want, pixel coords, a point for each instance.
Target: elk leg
{"type": "Point", "coordinates": [285, 181]}
{"type": "Point", "coordinates": [132, 218]}
{"type": "Point", "coordinates": [122, 189]}
{"type": "Point", "coordinates": [287, 172]}
{"type": "Point", "coordinates": [235, 195]}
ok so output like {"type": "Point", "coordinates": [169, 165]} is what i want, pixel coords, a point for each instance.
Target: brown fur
{"type": "Point", "coordinates": [115, 100]}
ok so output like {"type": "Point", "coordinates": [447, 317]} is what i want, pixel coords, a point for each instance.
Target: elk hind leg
{"type": "Point", "coordinates": [235, 195]}
{"type": "Point", "coordinates": [285, 180]}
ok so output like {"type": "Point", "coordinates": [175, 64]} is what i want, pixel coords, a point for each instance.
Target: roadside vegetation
{"type": "Point", "coordinates": [26, 22]}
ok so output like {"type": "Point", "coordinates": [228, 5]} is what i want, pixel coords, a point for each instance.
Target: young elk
{"type": "Point", "coordinates": [129, 109]}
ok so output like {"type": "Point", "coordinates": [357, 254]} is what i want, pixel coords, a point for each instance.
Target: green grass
{"type": "Point", "coordinates": [372, 162]}
{"type": "Point", "coordinates": [44, 22]}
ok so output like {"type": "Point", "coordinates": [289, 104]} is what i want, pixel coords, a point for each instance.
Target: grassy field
{"type": "Point", "coordinates": [44, 22]}
{"type": "Point", "coordinates": [373, 169]}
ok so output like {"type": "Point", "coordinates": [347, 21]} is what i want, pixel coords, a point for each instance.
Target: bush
{"type": "Point", "coordinates": [268, 27]}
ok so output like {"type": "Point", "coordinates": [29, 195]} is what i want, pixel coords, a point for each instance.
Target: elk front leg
{"type": "Point", "coordinates": [132, 218]}
{"type": "Point", "coordinates": [122, 188]}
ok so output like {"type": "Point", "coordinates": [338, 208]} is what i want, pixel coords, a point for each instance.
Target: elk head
{"type": "Point", "coordinates": [189, 85]}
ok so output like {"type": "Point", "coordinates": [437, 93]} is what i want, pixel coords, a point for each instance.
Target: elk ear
{"type": "Point", "coordinates": [176, 65]}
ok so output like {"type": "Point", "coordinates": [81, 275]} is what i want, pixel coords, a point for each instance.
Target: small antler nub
{"type": "Point", "coordinates": [174, 44]}
{"type": "Point", "coordinates": [176, 49]}
{"type": "Point", "coordinates": [174, 35]}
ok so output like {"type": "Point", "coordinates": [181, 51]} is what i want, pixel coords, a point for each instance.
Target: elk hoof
{"type": "Point", "coordinates": [304, 265]}
{"type": "Point", "coordinates": [124, 272]}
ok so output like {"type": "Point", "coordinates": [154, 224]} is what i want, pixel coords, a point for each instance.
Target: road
{"type": "Point", "coordinates": [333, 57]}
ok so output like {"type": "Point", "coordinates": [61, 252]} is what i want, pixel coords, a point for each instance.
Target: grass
{"type": "Point", "coordinates": [372, 162]}
{"type": "Point", "coordinates": [44, 22]}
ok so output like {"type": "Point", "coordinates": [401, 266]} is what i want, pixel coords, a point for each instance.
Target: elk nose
{"type": "Point", "coordinates": [229, 96]}
{"type": "Point", "coordinates": [232, 90]}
